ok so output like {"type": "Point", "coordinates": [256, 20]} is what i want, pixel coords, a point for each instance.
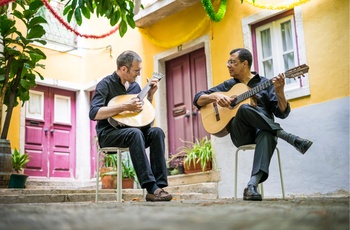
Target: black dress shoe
{"type": "Point", "coordinates": [302, 145]}
{"type": "Point", "coordinates": [251, 193]}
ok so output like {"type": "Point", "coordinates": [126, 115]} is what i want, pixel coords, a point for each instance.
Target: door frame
{"type": "Point", "coordinates": [159, 65]}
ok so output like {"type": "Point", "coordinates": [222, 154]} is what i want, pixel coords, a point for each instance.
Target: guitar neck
{"type": "Point", "coordinates": [292, 73]}
{"type": "Point", "coordinates": [145, 90]}
{"type": "Point", "coordinates": [253, 91]}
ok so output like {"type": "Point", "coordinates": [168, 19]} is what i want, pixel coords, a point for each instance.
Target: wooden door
{"type": "Point", "coordinates": [50, 133]}
{"type": "Point", "coordinates": [185, 76]}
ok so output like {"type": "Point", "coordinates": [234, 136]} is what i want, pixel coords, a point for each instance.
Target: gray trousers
{"type": "Point", "coordinates": [251, 126]}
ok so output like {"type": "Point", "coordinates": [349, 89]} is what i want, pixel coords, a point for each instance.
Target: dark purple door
{"type": "Point", "coordinates": [185, 76]}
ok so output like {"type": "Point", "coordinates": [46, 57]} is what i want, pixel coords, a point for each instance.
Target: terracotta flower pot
{"type": "Point", "coordinates": [197, 167]}
{"type": "Point", "coordinates": [108, 181]}
{"type": "Point", "coordinates": [127, 183]}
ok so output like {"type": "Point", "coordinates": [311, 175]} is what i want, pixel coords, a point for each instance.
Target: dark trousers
{"type": "Point", "coordinates": [137, 140]}
{"type": "Point", "coordinates": [250, 126]}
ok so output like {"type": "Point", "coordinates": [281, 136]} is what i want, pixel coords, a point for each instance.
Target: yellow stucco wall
{"type": "Point", "coordinates": [327, 46]}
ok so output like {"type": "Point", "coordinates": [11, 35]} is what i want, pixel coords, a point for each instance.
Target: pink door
{"type": "Point", "coordinates": [50, 133]}
{"type": "Point", "coordinates": [185, 76]}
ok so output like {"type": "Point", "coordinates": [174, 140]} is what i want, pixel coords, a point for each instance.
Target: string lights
{"type": "Point", "coordinates": [68, 27]}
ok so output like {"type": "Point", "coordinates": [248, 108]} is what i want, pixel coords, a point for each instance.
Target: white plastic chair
{"type": "Point", "coordinates": [252, 147]}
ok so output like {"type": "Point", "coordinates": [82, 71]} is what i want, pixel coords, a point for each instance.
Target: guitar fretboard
{"type": "Point", "coordinates": [292, 73]}
{"type": "Point", "coordinates": [147, 87]}
{"type": "Point", "coordinates": [252, 92]}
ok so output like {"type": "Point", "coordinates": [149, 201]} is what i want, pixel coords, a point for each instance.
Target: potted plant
{"type": "Point", "coordinates": [199, 156]}
{"type": "Point", "coordinates": [175, 162]}
{"type": "Point", "coordinates": [19, 162]}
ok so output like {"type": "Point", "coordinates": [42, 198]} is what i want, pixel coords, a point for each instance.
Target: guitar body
{"type": "Point", "coordinates": [215, 118]}
{"type": "Point", "coordinates": [132, 119]}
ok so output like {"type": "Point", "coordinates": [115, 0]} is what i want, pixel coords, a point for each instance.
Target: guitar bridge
{"type": "Point", "coordinates": [216, 111]}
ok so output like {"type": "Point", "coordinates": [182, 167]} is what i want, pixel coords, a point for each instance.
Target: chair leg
{"type": "Point", "coordinates": [119, 176]}
{"type": "Point", "coordinates": [236, 170]}
{"type": "Point", "coordinates": [261, 189]}
{"type": "Point", "coordinates": [281, 176]}
{"type": "Point", "coordinates": [97, 175]}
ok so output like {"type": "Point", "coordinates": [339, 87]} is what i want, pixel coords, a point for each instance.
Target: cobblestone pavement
{"type": "Point", "coordinates": [321, 213]}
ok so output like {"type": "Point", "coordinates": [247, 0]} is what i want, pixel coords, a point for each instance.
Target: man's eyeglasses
{"type": "Point", "coordinates": [136, 71]}
{"type": "Point", "coordinates": [230, 62]}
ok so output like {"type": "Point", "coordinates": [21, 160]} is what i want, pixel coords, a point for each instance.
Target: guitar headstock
{"type": "Point", "coordinates": [157, 75]}
{"type": "Point", "coordinates": [297, 71]}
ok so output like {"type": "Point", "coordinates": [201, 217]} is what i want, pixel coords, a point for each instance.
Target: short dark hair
{"type": "Point", "coordinates": [126, 59]}
{"type": "Point", "coordinates": [243, 55]}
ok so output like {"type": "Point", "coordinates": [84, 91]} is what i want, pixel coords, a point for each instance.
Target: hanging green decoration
{"type": "Point", "coordinates": [208, 7]}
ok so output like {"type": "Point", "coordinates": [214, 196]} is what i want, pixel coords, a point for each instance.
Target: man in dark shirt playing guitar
{"type": "Point", "coordinates": [151, 174]}
{"type": "Point", "coordinates": [250, 123]}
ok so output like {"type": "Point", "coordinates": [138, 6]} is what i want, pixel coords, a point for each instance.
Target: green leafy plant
{"type": "Point", "coordinates": [19, 161]}
{"type": "Point", "coordinates": [110, 160]}
{"type": "Point", "coordinates": [128, 170]}
{"type": "Point", "coordinates": [121, 11]}
{"type": "Point", "coordinates": [174, 172]}
{"type": "Point", "coordinates": [18, 58]}
{"type": "Point", "coordinates": [198, 152]}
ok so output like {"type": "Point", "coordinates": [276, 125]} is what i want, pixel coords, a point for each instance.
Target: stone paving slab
{"type": "Point", "coordinates": [306, 213]}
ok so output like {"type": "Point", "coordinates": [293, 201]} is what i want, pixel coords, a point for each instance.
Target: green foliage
{"type": "Point", "coordinates": [128, 169]}
{"type": "Point", "coordinates": [18, 59]}
{"type": "Point", "coordinates": [174, 172]}
{"type": "Point", "coordinates": [198, 152]}
{"type": "Point", "coordinates": [110, 160]}
{"type": "Point", "coordinates": [116, 11]}
{"type": "Point", "coordinates": [19, 161]}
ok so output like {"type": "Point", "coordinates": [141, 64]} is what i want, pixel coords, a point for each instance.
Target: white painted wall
{"type": "Point", "coordinates": [323, 169]}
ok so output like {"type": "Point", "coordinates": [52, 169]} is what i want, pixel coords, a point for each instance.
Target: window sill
{"type": "Point", "coordinates": [297, 93]}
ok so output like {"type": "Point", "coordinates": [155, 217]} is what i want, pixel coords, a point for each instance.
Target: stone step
{"type": "Point", "coordinates": [181, 179]}
{"type": "Point", "coordinates": [196, 186]}
{"type": "Point", "coordinates": [186, 192]}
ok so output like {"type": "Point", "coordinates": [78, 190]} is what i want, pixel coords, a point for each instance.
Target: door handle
{"type": "Point", "coordinates": [52, 131]}
{"type": "Point", "coordinates": [46, 130]}
{"type": "Point", "coordinates": [188, 114]}
{"type": "Point", "coordinates": [194, 113]}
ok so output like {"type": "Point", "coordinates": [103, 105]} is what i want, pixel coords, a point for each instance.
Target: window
{"type": "Point", "coordinates": [35, 105]}
{"type": "Point", "coordinates": [56, 33]}
{"type": "Point", "coordinates": [278, 47]}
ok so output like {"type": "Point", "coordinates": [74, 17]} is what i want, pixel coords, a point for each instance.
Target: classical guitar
{"type": "Point", "coordinates": [135, 119]}
{"type": "Point", "coordinates": [215, 118]}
